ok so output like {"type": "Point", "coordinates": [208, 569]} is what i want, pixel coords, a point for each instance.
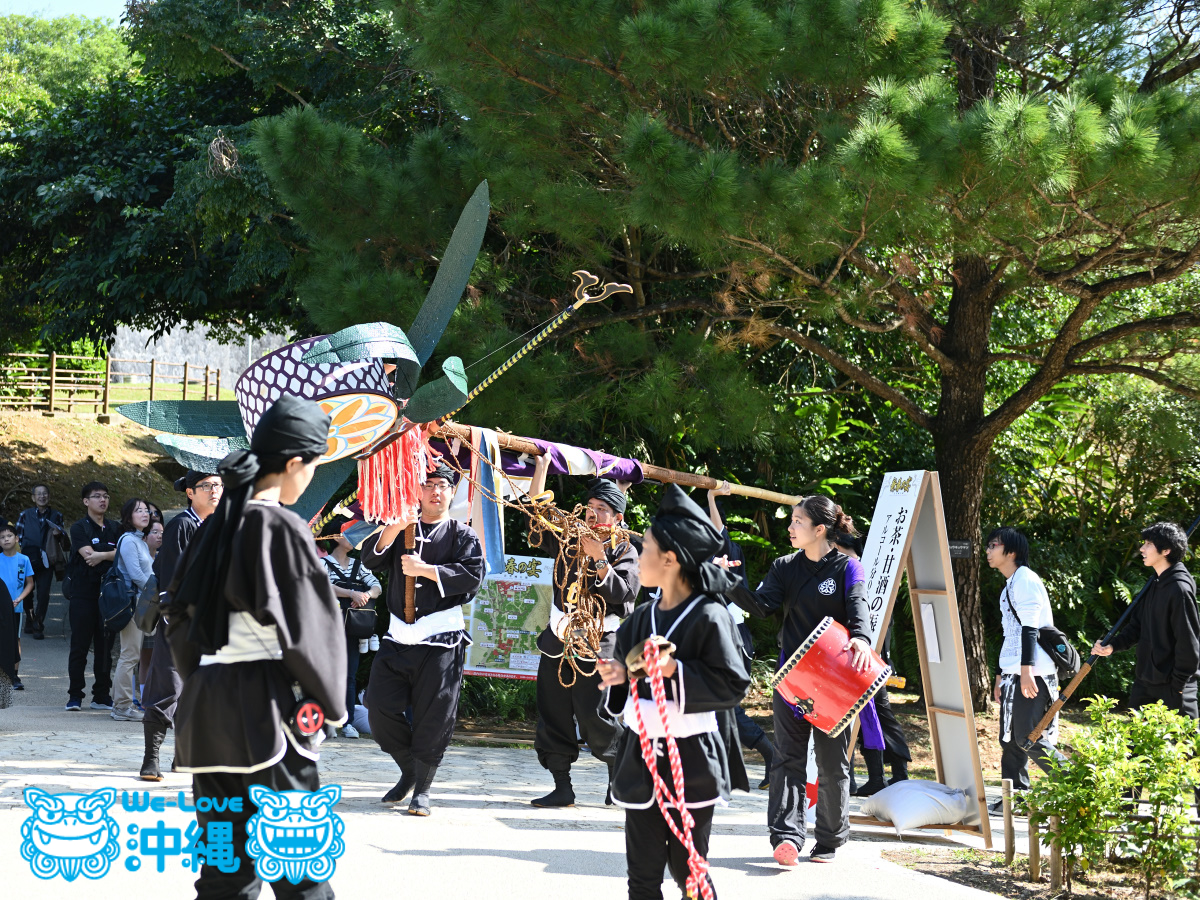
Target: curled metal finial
{"type": "Point", "coordinates": [588, 280]}
{"type": "Point", "coordinates": [223, 158]}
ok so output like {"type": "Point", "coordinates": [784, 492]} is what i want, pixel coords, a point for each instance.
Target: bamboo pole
{"type": "Point", "coordinates": [153, 368]}
{"type": "Point", "coordinates": [206, 382]}
{"type": "Point", "coordinates": [218, 384]}
{"type": "Point", "coordinates": [185, 378]}
{"type": "Point", "coordinates": [653, 473]}
{"type": "Point", "coordinates": [1010, 838]}
{"type": "Point", "coordinates": [410, 581]}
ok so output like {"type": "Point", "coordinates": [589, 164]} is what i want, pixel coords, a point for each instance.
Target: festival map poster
{"type": "Point", "coordinates": [506, 616]}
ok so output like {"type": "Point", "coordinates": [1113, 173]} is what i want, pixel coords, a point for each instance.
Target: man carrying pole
{"type": "Point", "coordinates": [613, 572]}
{"type": "Point", "coordinates": [1165, 626]}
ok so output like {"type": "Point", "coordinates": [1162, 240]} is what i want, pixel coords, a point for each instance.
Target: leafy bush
{"type": "Point", "coordinates": [1150, 754]}
{"type": "Point", "coordinates": [503, 698]}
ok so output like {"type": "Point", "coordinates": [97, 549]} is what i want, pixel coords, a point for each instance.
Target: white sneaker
{"type": "Point", "coordinates": [363, 645]}
{"type": "Point", "coordinates": [349, 731]}
{"type": "Point", "coordinates": [126, 715]}
{"type": "Point", "coordinates": [374, 642]}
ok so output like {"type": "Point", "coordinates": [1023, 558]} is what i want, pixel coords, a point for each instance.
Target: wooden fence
{"type": "Point", "coordinates": [51, 382]}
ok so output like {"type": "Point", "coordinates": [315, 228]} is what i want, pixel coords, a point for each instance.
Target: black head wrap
{"type": "Point", "coordinates": [683, 527]}
{"type": "Point", "coordinates": [290, 427]}
{"type": "Point", "coordinates": [190, 480]}
{"type": "Point", "coordinates": [607, 492]}
{"type": "Point", "coordinates": [442, 471]}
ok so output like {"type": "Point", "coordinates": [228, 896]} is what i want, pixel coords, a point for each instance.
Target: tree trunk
{"type": "Point", "coordinates": [961, 449]}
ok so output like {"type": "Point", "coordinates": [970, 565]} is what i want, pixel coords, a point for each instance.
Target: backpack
{"type": "Point", "coordinates": [1055, 643]}
{"type": "Point", "coordinates": [117, 596]}
{"type": "Point", "coordinates": [360, 620]}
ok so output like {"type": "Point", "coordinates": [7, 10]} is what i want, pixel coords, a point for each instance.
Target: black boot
{"type": "Point", "coordinates": [875, 782]}
{"type": "Point", "coordinates": [608, 789]}
{"type": "Point", "coordinates": [424, 781]}
{"type": "Point", "coordinates": [562, 795]}
{"type": "Point", "coordinates": [154, 740]}
{"type": "Point", "coordinates": [764, 746]}
{"type": "Point", "coordinates": [408, 778]}
{"type": "Point", "coordinates": [899, 771]}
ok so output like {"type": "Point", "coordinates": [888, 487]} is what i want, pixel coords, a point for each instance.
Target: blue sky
{"type": "Point", "coordinates": [50, 9]}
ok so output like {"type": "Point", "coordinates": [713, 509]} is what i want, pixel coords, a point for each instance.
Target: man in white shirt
{"type": "Point", "coordinates": [1027, 682]}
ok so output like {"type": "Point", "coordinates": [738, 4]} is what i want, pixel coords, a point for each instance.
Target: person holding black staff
{"type": "Point", "coordinates": [256, 633]}
{"type": "Point", "coordinates": [1164, 626]}
{"type": "Point", "coordinates": [705, 677]}
{"type": "Point", "coordinates": [613, 572]}
{"type": "Point", "coordinates": [750, 733]}
{"type": "Point", "coordinates": [895, 751]}
{"type": "Point", "coordinates": [420, 665]}
{"type": "Point", "coordinates": [816, 581]}
{"type": "Point", "coordinates": [93, 546]}
{"type": "Point", "coordinates": [41, 533]}
{"type": "Point", "coordinates": [163, 684]}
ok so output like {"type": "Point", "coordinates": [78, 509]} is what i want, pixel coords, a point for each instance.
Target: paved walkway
{"type": "Point", "coordinates": [483, 840]}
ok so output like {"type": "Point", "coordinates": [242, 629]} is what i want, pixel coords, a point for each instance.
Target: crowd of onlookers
{"type": "Point", "coordinates": [38, 547]}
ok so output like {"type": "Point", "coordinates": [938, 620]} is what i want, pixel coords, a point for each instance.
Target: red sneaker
{"type": "Point", "coordinates": [786, 853]}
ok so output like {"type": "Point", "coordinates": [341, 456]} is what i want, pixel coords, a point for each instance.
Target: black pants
{"type": "Point", "coordinates": [1019, 715]}
{"type": "Point", "coordinates": [786, 801]}
{"type": "Point", "coordinates": [292, 773]}
{"type": "Point", "coordinates": [39, 601]}
{"type": "Point", "coordinates": [1142, 694]}
{"type": "Point", "coordinates": [426, 678]}
{"type": "Point", "coordinates": [162, 683]}
{"type": "Point", "coordinates": [88, 633]}
{"type": "Point", "coordinates": [749, 731]}
{"type": "Point", "coordinates": [559, 708]}
{"type": "Point", "coordinates": [352, 656]}
{"type": "Point", "coordinates": [650, 845]}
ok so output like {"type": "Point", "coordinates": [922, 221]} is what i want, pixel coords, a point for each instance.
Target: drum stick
{"type": "Point", "coordinates": [1091, 661]}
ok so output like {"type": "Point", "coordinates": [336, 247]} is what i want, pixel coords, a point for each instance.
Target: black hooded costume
{"type": "Point", "coordinates": [419, 667]}
{"type": "Point", "coordinates": [710, 679]}
{"type": "Point", "coordinates": [560, 708]}
{"type": "Point", "coordinates": [254, 627]}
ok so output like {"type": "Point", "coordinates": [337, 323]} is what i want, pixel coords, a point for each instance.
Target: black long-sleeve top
{"type": "Point", "coordinates": [1165, 626]}
{"type": "Point", "coordinates": [176, 536]}
{"type": "Point", "coordinates": [805, 592]}
{"type": "Point", "coordinates": [449, 545]}
{"type": "Point", "coordinates": [617, 586]}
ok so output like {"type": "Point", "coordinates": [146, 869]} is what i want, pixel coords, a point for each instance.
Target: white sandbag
{"type": "Point", "coordinates": [911, 804]}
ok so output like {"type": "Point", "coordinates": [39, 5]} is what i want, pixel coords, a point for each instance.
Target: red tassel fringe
{"type": "Point", "coordinates": [389, 483]}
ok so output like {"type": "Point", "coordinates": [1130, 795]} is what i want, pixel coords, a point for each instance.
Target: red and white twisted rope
{"type": "Point", "coordinates": [698, 884]}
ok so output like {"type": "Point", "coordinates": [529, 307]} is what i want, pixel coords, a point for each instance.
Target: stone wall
{"type": "Point", "coordinates": [182, 345]}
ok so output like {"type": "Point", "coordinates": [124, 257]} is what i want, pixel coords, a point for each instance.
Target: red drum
{"type": "Point", "coordinates": [821, 682]}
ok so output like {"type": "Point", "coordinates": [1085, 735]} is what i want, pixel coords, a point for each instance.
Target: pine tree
{"type": "Point", "coordinates": [991, 191]}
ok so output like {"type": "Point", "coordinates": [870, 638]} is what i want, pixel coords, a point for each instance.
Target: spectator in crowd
{"type": "Point", "coordinates": [1164, 626]}
{"type": "Point", "coordinates": [41, 534]}
{"type": "Point", "coordinates": [93, 546]}
{"type": "Point", "coordinates": [134, 562]}
{"type": "Point", "coordinates": [1027, 683]}
{"type": "Point", "coordinates": [154, 538]}
{"type": "Point", "coordinates": [353, 585]}
{"type": "Point", "coordinates": [155, 516]}
{"type": "Point", "coordinates": [16, 572]}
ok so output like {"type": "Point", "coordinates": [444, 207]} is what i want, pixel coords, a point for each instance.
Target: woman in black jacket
{"type": "Point", "coordinates": [805, 587]}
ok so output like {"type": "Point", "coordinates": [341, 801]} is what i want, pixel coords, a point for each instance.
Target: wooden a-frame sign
{"type": "Point", "coordinates": [908, 534]}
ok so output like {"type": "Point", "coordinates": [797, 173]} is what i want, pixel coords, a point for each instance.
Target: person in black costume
{"type": "Point", "coordinates": [750, 733]}
{"type": "Point", "coordinates": [163, 684]}
{"type": "Point", "coordinates": [614, 575]}
{"type": "Point", "coordinates": [806, 586]}
{"type": "Point", "coordinates": [1164, 626]}
{"type": "Point", "coordinates": [421, 665]}
{"type": "Point", "coordinates": [895, 750]}
{"type": "Point", "coordinates": [705, 678]}
{"type": "Point", "coordinates": [254, 627]}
